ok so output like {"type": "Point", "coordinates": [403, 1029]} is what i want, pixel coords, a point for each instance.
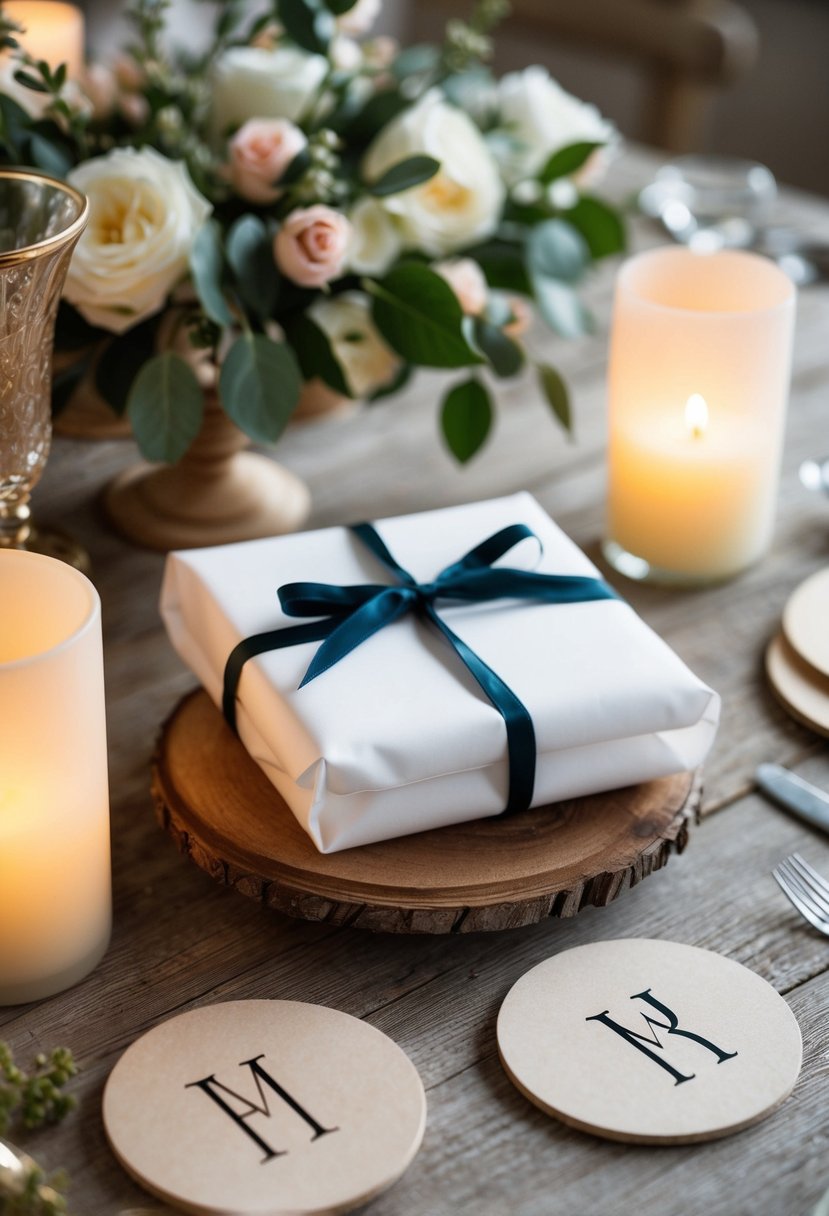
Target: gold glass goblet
{"type": "Point", "coordinates": [41, 220]}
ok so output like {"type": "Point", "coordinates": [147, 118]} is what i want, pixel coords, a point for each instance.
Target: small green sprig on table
{"type": "Point", "coordinates": [37, 1098]}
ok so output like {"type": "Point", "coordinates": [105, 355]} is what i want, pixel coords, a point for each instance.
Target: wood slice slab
{"type": "Point", "coordinates": [223, 813]}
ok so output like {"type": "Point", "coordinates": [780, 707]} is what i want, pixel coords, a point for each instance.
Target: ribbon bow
{"type": "Point", "coordinates": [351, 614]}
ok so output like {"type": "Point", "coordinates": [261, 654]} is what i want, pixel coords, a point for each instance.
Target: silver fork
{"type": "Point", "coordinates": [805, 889]}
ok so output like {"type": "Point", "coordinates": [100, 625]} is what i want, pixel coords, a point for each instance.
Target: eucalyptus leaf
{"type": "Point", "coordinates": [601, 226]}
{"type": "Point", "coordinates": [418, 314]}
{"type": "Point", "coordinates": [416, 60]}
{"type": "Point", "coordinates": [404, 175]}
{"type": "Point", "coordinates": [50, 156]}
{"type": "Point", "coordinates": [567, 160]}
{"type": "Point", "coordinates": [307, 24]}
{"type": "Point", "coordinates": [556, 250]}
{"type": "Point", "coordinates": [165, 407]}
{"type": "Point", "coordinates": [206, 267]}
{"type": "Point", "coordinates": [29, 81]}
{"type": "Point", "coordinates": [14, 122]}
{"type": "Point", "coordinates": [250, 255]}
{"type": "Point", "coordinates": [557, 394]}
{"type": "Point", "coordinates": [316, 357]}
{"type": "Point", "coordinates": [466, 418]}
{"type": "Point", "coordinates": [560, 307]}
{"type": "Point", "coordinates": [259, 384]}
{"type": "Point", "coordinates": [505, 356]}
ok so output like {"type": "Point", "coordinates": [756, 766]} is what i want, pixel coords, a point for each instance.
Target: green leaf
{"type": "Point", "coordinates": [29, 81]}
{"type": "Point", "coordinates": [566, 161]}
{"type": "Point", "coordinates": [378, 111]}
{"type": "Point", "coordinates": [165, 407]}
{"type": "Point", "coordinates": [504, 266]}
{"type": "Point", "coordinates": [560, 307]}
{"type": "Point", "coordinates": [260, 383]}
{"type": "Point", "coordinates": [601, 226]}
{"type": "Point", "coordinates": [416, 60]}
{"type": "Point", "coordinates": [556, 392]}
{"type": "Point", "coordinates": [121, 361]}
{"type": "Point", "coordinates": [466, 418]}
{"type": "Point", "coordinates": [307, 24]}
{"type": "Point", "coordinates": [557, 251]}
{"type": "Point", "coordinates": [418, 314]}
{"type": "Point", "coordinates": [50, 156]}
{"type": "Point", "coordinates": [404, 175]}
{"type": "Point", "coordinates": [315, 354]}
{"type": "Point", "coordinates": [13, 124]}
{"type": "Point", "coordinates": [505, 356]}
{"type": "Point", "coordinates": [338, 7]}
{"type": "Point", "coordinates": [206, 267]}
{"type": "Point", "coordinates": [249, 252]}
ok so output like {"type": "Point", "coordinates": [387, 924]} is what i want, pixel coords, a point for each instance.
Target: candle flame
{"type": "Point", "coordinates": [696, 415]}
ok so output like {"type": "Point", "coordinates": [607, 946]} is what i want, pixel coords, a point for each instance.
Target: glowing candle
{"type": "Point", "coordinates": [54, 806]}
{"type": "Point", "coordinates": [52, 31]}
{"type": "Point", "coordinates": [699, 373]}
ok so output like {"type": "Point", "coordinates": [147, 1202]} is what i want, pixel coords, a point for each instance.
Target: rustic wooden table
{"type": "Point", "coordinates": [180, 940]}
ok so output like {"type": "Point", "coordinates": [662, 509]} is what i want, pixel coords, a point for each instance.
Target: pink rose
{"type": "Point", "coordinates": [260, 152]}
{"type": "Point", "coordinates": [311, 245]}
{"type": "Point", "coordinates": [466, 279]}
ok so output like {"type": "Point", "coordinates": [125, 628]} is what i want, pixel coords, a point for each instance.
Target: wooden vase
{"type": "Point", "coordinates": [217, 492]}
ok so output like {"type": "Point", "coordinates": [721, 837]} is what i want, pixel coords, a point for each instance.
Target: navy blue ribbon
{"type": "Point", "coordinates": [351, 614]}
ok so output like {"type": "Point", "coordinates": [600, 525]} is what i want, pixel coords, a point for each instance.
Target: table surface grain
{"type": "Point", "coordinates": [180, 941]}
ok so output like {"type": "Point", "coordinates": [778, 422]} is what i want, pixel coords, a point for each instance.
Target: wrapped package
{"type": "Point", "coordinates": [397, 737]}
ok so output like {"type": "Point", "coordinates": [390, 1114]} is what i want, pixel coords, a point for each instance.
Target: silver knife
{"type": "Point", "coordinates": [796, 795]}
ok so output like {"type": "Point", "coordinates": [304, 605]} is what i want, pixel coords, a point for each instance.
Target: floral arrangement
{"type": "Point", "coordinates": [307, 202]}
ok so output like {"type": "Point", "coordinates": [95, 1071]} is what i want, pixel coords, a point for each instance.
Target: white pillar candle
{"type": "Point", "coordinates": [699, 373]}
{"type": "Point", "coordinates": [53, 31]}
{"type": "Point", "coordinates": [54, 806]}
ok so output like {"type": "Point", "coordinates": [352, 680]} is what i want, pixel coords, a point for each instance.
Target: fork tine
{"type": "Point", "coordinates": [795, 900]}
{"type": "Point", "coordinates": [802, 888]}
{"type": "Point", "coordinates": [816, 882]}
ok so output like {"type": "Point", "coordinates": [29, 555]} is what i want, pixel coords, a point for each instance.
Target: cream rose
{"type": "Point", "coordinates": [541, 118]}
{"type": "Point", "coordinates": [144, 213]}
{"type": "Point", "coordinates": [254, 82]}
{"type": "Point", "coordinates": [466, 279]}
{"type": "Point", "coordinates": [259, 154]}
{"type": "Point", "coordinates": [367, 363]}
{"type": "Point", "coordinates": [462, 202]}
{"type": "Point", "coordinates": [311, 245]}
{"type": "Point", "coordinates": [375, 241]}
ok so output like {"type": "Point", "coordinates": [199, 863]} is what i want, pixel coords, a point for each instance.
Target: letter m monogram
{"type": "Point", "coordinates": [646, 1042]}
{"type": "Point", "coordinates": [221, 1094]}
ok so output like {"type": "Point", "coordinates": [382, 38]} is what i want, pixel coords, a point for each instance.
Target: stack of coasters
{"type": "Point", "coordinates": [397, 737]}
{"type": "Point", "coordinates": [797, 659]}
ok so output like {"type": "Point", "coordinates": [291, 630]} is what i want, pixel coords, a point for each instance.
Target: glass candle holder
{"type": "Point", "coordinates": [700, 361]}
{"type": "Point", "coordinates": [55, 902]}
{"type": "Point", "coordinates": [40, 222]}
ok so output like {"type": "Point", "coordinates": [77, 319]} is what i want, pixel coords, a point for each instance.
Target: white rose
{"type": "Point", "coordinates": [367, 363]}
{"type": "Point", "coordinates": [375, 241]}
{"type": "Point", "coordinates": [360, 17]}
{"type": "Point", "coordinates": [462, 203]}
{"type": "Point", "coordinates": [540, 117]}
{"type": "Point", "coordinates": [144, 213]}
{"type": "Point", "coordinates": [255, 82]}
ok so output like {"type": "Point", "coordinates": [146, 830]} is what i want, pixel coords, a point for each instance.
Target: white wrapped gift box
{"type": "Point", "coordinates": [397, 737]}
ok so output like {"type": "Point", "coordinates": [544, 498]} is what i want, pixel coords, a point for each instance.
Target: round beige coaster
{"type": "Point", "coordinates": [805, 620]}
{"type": "Point", "coordinates": [265, 1108]}
{"type": "Point", "coordinates": [803, 691]}
{"type": "Point", "coordinates": [652, 1042]}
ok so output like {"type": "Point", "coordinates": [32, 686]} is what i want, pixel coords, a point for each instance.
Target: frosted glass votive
{"type": "Point", "coordinates": [700, 362]}
{"type": "Point", "coordinates": [55, 889]}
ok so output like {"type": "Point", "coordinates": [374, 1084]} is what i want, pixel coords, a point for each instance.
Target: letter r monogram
{"type": "Point", "coordinates": [671, 1025]}
{"type": "Point", "coordinates": [214, 1089]}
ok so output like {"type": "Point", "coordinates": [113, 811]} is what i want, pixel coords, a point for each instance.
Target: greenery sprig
{"type": "Point", "coordinates": [35, 1099]}
{"type": "Point", "coordinates": [37, 1195]}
